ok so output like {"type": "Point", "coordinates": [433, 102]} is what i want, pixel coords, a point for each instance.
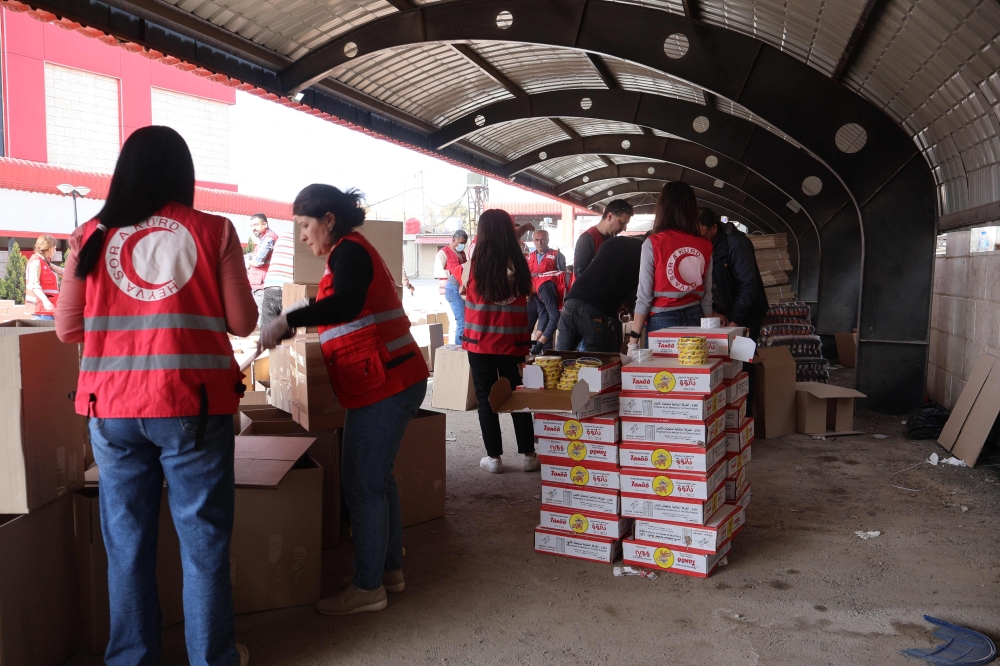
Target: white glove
{"type": "Point", "coordinates": [275, 332]}
{"type": "Point", "coordinates": [297, 305]}
{"type": "Point", "coordinates": [632, 348]}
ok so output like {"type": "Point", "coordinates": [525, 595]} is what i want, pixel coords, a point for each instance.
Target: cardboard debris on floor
{"type": "Point", "coordinates": [822, 409]}
{"type": "Point", "coordinates": [453, 386]}
{"type": "Point", "coordinates": [975, 414]}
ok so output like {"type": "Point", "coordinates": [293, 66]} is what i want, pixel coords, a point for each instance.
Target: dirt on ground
{"type": "Point", "coordinates": [799, 588]}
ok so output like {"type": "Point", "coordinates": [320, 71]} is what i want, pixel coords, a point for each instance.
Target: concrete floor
{"type": "Point", "coordinates": [800, 587]}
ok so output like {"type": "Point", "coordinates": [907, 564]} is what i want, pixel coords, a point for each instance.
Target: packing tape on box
{"type": "Point", "coordinates": [711, 322]}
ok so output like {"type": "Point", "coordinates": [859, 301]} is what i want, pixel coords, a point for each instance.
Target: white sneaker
{"type": "Point", "coordinates": [492, 465]}
{"type": "Point", "coordinates": [531, 462]}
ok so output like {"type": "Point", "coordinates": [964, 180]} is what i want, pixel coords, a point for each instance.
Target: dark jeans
{"type": "Point", "coordinates": [486, 369]}
{"type": "Point", "coordinates": [268, 305]}
{"type": "Point", "coordinates": [457, 304]}
{"type": "Point", "coordinates": [753, 332]}
{"type": "Point", "coordinates": [371, 440]}
{"type": "Point", "coordinates": [689, 316]}
{"type": "Point", "coordinates": [582, 322]}
{"type": "Point", "coordinates": [544, 309]}
{"type": "Point", "coordinates": [134, 456]}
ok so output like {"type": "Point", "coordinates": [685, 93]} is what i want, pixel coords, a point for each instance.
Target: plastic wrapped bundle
{"type": "Point", "coordinates": [800, 346]}
{"type": "Point", "coordinates": [791, 309]}
{"type": "Point", "coordinates": [812, 369]}
{"type": "Point", "coordinates": [793, 327]}
{"type": "Point", "coordinates": [777, 319]}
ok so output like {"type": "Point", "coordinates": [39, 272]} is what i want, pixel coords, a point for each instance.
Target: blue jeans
{"type": "Point", "coordinates": [43, 317]}
{"type": "Point", "coordinates": [371, 439]}
{"type": "Point", "coordinates": [689, 316]}
{"type": "Point", "coordinates": [457, 304]}
{"type": "Point", "coordinates": [134, 456]}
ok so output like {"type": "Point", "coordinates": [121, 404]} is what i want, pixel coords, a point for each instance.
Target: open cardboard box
{"type": "Point", "coordinates": [774, 392]}
{"type": "Point", "coordinates": [605, 378]}
{"type": "Point", "coordinates": [822, 409]}
{"type": "Point", "coordinates": [975, 413]}
{"type": "Point", "coordinates": [847, 348]}
{"type": "Point", "coordinates": [579, 402]}
{"type": "Point", "coordinates": [720, 340]}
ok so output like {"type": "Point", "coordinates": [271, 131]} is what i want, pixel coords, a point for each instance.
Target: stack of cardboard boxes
{"type": "Point", "coordinates": [9, 311]}
{"type": "Point", "coordinates": [774, 264]}
{"type": "Point", "coordinates": [685, 447]}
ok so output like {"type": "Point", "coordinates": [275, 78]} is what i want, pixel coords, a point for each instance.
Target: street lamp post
{"type": "Point", "coordinates": [74, 191]}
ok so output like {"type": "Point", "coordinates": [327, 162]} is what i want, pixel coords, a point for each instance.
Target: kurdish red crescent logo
{"type": "Point", "coordinates": [685, 268]}
{"type": "Point", "coordinates": [151, 260]}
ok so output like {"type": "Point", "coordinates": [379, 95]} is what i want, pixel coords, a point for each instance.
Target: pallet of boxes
{"type": "Point", "coordinates": [774, 264]}
{"type": "Point", "coordinates": [790, 325]}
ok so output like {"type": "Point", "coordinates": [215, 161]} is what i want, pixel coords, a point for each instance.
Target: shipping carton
{"type": "Point", "coordinates": [738, 387]}
{"type": "Point", "coordinates": [706, 538]}
{"type": "Point", "coordinates": [292, 293]}
{"type": "Point", "coordinates": [672, 456]}
{"type": "Point", "coordinates": [580, 402]}
{"type": "Point", "coordinates": [673, 484]}
{"type": "Point", "coordinates": [572, 452]}
{"type": "Point", "coordinates": [603, 501]}
{"type": "Point", "coordinates": [774, 392]}
{"type": "Point", "coordinates": [671, 431]}
{"type": "Point", "coordinates": [685, 406]}
{"type": "Point", "coordinates": [737, 461]}
{"type": "Point", "coordinates": [667, 375]}
{"type": "Point", "coordinates": [576, 546]}
{"type": "Point", "coordinates": [314, 405]}
{"type": "Point", "coordinates": [975, 413]}
{"type": "Point", "coordinates": [607, 377]}
{"type": "Point", "coordinates": [42, 439]}
{"type": "Point", "coordinates": [386, 237]}
{"type": "Point", "coordinates": [691, 512]}
{"type": "Point", "coordinates": [740, 437]}
{"type": "Point", "coordinates": [39, 602]}
{"type": "Point", "coordinates": [554, 470]}
{"type": "Point", "coordinates": [583, 522]}
{"type": "Point", "coordinates": [429, 337]}
{"type": "Point", "coordinates": [735, 413]}
{"type": "Point", "coordinates": [847, 348]}
{"type": "Point", "coordinates": [736, 484]}
{"type": "Point", "coordinates": [453, 386]}
{"type": "Point", "coordinates": [720, 340]}
{"type": "Point", "coordinates": [675, 560]}
{"type": "Point", "coordinates": [602, 429]}
{"type": "Point", "coordinates": [824, 409]}
{"type": "Point", "coordinates": [731, 367]}
{"type": "Point", "coordinates": [719, 397]}
{"type": "Point", "coordinates": [419, 468]}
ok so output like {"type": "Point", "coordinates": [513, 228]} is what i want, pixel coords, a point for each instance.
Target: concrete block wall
{"type": "Point", "coordinates": [965, 316]}
{"type": "Point", "coordinates": [204, 124]}
{"type": "Point", "coordinates": [82, 128]}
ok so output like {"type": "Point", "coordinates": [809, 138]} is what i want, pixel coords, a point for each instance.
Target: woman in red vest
{"type": "Point", "coordinates": [41, 279]}
{"type": "Point", "coordinates": [675, 271]}
{"type": "Point", "coordinates": [496, 331]}
{"type": "Point", "coordinates": [378, 374]}
{"type": "Point", "coordinates": [152, 288]}
{"type": "Point", "coordinates": [448, 269]}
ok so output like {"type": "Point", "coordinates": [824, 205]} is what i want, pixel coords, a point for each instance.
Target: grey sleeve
{"type": "Point", "coordinates": [644, 297]}
{"type": "Point", "coordinates": [584, 253]}
{"type": "Point", "coordinates": [706, 299]}
{"type": "Point", "coordinates": [560, 261]}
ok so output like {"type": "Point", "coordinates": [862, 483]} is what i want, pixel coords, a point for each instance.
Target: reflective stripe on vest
{"type": "Point", "coordinates": [358, 324]}
{"type": "Point", "coordinates": [493, 307]}
{"type": "Point", "coordinates": [678, 294]}
{"type": "Point", "coordinates": [159, 362]}
{"type": "Point", "coordinates": [155, 321]}
{"type": "Point", "coordinates": [502, 330]}
{"type": "Point", "coordinates": [400, 342]}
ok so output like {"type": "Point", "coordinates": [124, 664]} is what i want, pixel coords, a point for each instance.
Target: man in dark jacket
{"type": "Point", "coordinates": [737, 289]}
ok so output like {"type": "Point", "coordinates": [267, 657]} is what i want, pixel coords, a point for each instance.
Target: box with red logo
{"type": "Point", "coordinates": [672, 456]}
{"type": "Point", "coordinates": [739, 438]}
{"type": "Point", "coordinates": [579, 403]}
{"type": "Point", "coordinates": [737, 387]}
{"type": "Point", "coordinates": [720, 340]}
{"type": "Point", "coordinates": [596, 500]}
{"type": "Point", "coordinates": [736, 484]}
{"type": "Point", "coordinates": [604, 429]}
{"type": "Point", "coordinates": [578, 475]}
{"type": "Point", "coordinates": [588, 454]}
{"type": "Point", "coordinates": [692, 512]}
{"type": "Point", "coordinates": [719, 398]}
{"type": "Point", "coordinates": [707, 538]}
{"type": "Point", "coordinates": [688, 406]}
{"type": "Point", "coordinates": [584, 522]}
{"type": "Point", "coordinates": [671, 431]}
{"type": "Point", "coordinates": [577, 546]}
{"type": "Point", "coordinates": [673, 484]}
{"type": "Point", "coordinates": [735, 413]}
{"type": "Point", "coordinates": [601, 379]}
{"type": "Point", "coordinates": [737, 461]}
{"type": "Point", "coordinates": [675, 560]}
{"type": "Point", "coordinates": [731, 367]}
{"type": "Point", "coordinates": [667, 375]}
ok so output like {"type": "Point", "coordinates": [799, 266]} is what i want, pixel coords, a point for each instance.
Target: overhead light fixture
{"type": "Point", "coordinates": [298, 96]}
{"type": "Point", "coordinates": [74, 191]}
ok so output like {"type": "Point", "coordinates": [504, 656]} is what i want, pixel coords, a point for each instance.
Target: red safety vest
{"type": "Point", "coordinates": [495, 328]}
{"type": "Point", "coordinates": [373, 356]}
{"type": "Point", "coordinates": [545, 270]}
{"type": "Point", "coordinates": [453, 264]}
{"type": "Point", "coordinates": [257, 274]}
{"type": "Point", "coordinates": [49, 283]}
{"type": "Point", "coordinates": [680, 262]}
{"type": "Point", "coordinates": [598, 238]}
{"type": "Point", "coordinates": [155, 341]}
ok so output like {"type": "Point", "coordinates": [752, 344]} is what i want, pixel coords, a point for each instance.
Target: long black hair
{"type": "Point", "coordinates": [677, 209]}
{"type": "Point", "coordinates": [317, 200]}
{"type": "Point", "coordinates": [153, 169]}
{"type": "Point", "coordinates": [498, 249]}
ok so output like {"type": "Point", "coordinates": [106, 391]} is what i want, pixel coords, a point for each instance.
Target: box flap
{"type": "Point", "coordinates": [826, 391]}
{"type": "Point", "coordinates": [959, 414]}
{"type": "Point", "coordinates": [504, 400]}
{"type": "Point", "coordinates": [981, 419]}
{"type": "Point", "coordinates": [261, 462]}
{"type": "Point", "coordinates": [775, 357]}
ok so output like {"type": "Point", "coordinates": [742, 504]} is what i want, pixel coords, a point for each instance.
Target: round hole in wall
{"type": "Point", "coordinates": [851, 138]}
{"type": "Point", "coordinates": [711, 161]}
{"type": "Point", "coordinates": [586, 179]}
{"type": "Point", "coordinates": [650, 171]}
{"type": "Point", "coordinates": [700, 124]}
{"type": "Point", "coordinates": [676, 46]}
{"type": "Point", "coordinates": [480, 120]}
{"type": "Point", "coordinates": [811, 186]}
{"type": "Point", "coordinates": [505, 19]}
{"type": "Point", "coordinates": [543, 155]}
{"type": "Point", "coordinates": [350, 49]}
{"type": "Point", "coordinates": [719, 184]}
{"type": "Point", "coordinates": [611, 193]}
{"type": "Point", "coordinates": [586, 103]}
{"type": "Point", "coordinates": [626, 144]}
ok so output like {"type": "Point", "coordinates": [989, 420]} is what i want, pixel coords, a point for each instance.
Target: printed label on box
{"type": "Point", "coordinates": [736, 484]}
{"type": "Point", "coordinates": [672, 456]}
{"type": "Point", "coordinates": [578, 475]}
{"type": "Point", "coordinates": [739, 438]}
{"type": "Point", "coordinates": [678, 511]}
{"type": "Point", "coordinates": [663, 431]}
{"type": "Point", "coordinates": [744, 498]}
{"type": "Point", "coordinates": [735, 414]}
{"type": "Point", "coordinates": [674, 560]}
{"type": "Point", "coordinates": [595, 429]}
{"type": "Point", "coordinates": [585, 453]}
{"type": "Point", "coordinates": [738, 461]}
{"type": "Point", "coordinates": [731, 367]}
{"type": "Point", "coordinates": [737, 388]}
{"type": "Point", "coordinates": [668, 376]}
{"type": "Point", "coordinates": [595, 549]}
{"type": "Point", "coordinates": [579, 522]}
{"type": "Point", "coordinates": [585, 499]}
{"type": "Point", "coordinates": [673, 484]}
{"type": "Point", "coordinates": [690, 407]}
{"type": "Point", "coordinates": [719, 397]}
{"type": "Point", "coordinates": [664, 341]}
{"type": "Point", "coordinates": [707, 538]}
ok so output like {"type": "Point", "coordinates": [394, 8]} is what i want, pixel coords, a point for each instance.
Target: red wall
{"type": "Point", "coordinates": [27, 44]}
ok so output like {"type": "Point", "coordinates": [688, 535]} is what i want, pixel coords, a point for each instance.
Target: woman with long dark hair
{"type": "Point", "coordinates": [675, 271]}
{"type": "Point", "coordinates": [378, 374]}
{"type": "Point", "coordinates": [151, 289]}
{"type": "Point", "coordinates": [496, 330]}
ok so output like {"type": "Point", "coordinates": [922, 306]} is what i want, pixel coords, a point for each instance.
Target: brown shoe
{"type": "Point", "coordinates": [352, 600]}
{"type": "Point", "coordinates": [392, 581]}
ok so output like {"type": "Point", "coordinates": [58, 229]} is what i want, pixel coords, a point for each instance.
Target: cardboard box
{"type": "Point", "coordinates": [602, 429]}
{"type": "Point", "coordinates": [278, 530]}
{"type": "Point", "coordinates": [453, 386]}
{"type": "Point", "coordinates": [92, 569]}
{"type": "Point", "coordinates": [744, 498]}
{"type": "Point", "coordinates": [684, 406]}
{"type": "Point", "coordinates": [737, 461]}
{"type": "Point", "coordinates": [736, 484]}
{"type": "Point", "coordinates": [671, 431]}
{"type": "Point", "coordinates": [429, 337]}
{"type": "Point", "coordinates": [774, 391]}
{"type": "Point", "coordinates": [739, 438]}
{"type": "Point", "coordinates": [847, 348]}
{"type": "Point", "coordinates": [314, 405]}
{"type": "Point", "coordinates": [577, 546]}
{"type": "Point", "coordinates": [385, 236]}
{"type": "Point", "coordinates": [589, 454]}
{"type": "Point", "coordinates": [822, 408]}
{"type": "Point", "coordinates": [738, 387]}
{"type": "Point", "coordinates": [731, 367]}
{"type": "Point", "coordinates": [291, 294]}
{"type": "Point", "coordinates": [719, 399]}
{"type": "Point", "coordinates": [975, 412]}
{"type": "Point", "coordinates": [672, 483]}
{"type": "Point", "coordinates": [42, 440]}
{"type": "Point", "coordinates": [607, 377]}
{"type": "Point", "coordinates": [708, 538]}
{"type": "Point", "coordinates": [419, 468]}
{"type": "Point", "coordinates": [720, 340]}
{"type": "Point", "coordinates": [39, 611]}
{"type": "Point", "coordinates": [583, 477]}
{"type": "Point", "coordinates": [667, 375]}
{"type": "Point", "coordinates": [579, 403]}
{"type": "Point", "coordinates": [595, 500]}
{"type": "Point", "coordinates": [691, 512]}
{"type": "Point", "coordinates": [583, 522]}
{"type": "Point", "coordinates": [675, 560]}
{"type": "Point", "coordinates": [672, 456]}
{"type": "Point", "coordinates": [735, 413]}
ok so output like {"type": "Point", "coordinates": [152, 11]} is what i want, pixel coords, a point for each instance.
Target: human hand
{"type": "Point", "coordinates": [537, 348]}
{"type": "Point", "coordinates": [413, 290]}
{"type": "Point", "coordinates": [275, 332]}
{"type": "Point", "coordinates": [632, 347]}
{"type": "Point", "coordinates": [48, 306]}
{"type": "Point", "coordinates": [725, 321]}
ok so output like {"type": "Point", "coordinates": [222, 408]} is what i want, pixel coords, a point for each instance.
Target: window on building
{"type": "Point", "coordinates": [204, 124]}
{"type": "Point", "coordinates": [82, 128]}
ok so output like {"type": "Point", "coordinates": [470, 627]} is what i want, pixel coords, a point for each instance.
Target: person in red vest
{"type": "Point", "coordinates": [497, 335]}
{"type": "Point", "coordinates": [378, 374]}
{"type": "Point", "coordinates": [152, 289]}
{"type": "Point", "coordinates": [41, 279]}
{"type": "Point", "coordinates": [548, 278]}
{"type": "Point", "coordinates": [675, 270]}
{"type": "Point", "coordinates": [448, 269]}
{"type": "Point", "coordinates": [616, 217]}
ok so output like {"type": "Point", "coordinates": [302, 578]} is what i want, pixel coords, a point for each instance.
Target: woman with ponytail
{"type": "Point", "coordinates": [378, 374]}
{"type": "Point", "coordinates": [151, 289]}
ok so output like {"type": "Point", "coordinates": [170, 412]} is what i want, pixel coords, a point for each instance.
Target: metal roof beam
{"type": "Point", "coordinates": [567, 130]}
{"type": "Point", "coordinates": [857, 35]}
{"type": "Point", "coordinates": [402, 5]}
{"type": "Point", "coordinates": [485, 65]}
{"type": "Point", "coordinates": [609, 78]}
